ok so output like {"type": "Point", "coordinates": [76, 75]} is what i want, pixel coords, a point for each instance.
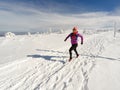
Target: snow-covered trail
{"type": "Point", "coordinates": [42, 65]}
{"type": "Point", "coordinates": [106, 73]}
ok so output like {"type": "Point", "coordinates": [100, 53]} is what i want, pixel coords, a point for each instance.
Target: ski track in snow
{"type": "Point", "coordinates": [41, 74]}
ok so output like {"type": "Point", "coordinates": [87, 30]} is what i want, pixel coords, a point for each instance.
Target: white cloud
{"type": "Point", "coordinates": [20, 17]}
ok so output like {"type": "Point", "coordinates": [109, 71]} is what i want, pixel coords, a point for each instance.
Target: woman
{"type": "Point", "coordinates": [74, 41]}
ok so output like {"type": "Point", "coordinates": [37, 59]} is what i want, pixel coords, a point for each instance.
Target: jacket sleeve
{"type": "Point", "coordinates": [81, 37]}
{"type": "Point", "coordinates": [67, 37]}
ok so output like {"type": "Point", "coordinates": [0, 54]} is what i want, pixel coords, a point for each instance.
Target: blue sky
{"type": "Point", "coordinates": [27, 15]}
{"type": "Point", "coordinates": [71, 6]}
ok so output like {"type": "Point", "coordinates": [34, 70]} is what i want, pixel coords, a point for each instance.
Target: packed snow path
{"type": "Point", "coordinates": [44, 66]}
{"type": "Point", "coordinates": [106, 73]}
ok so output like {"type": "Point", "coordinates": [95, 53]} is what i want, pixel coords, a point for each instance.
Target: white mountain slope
{"type": "Point", "coordinates": [40, 63]}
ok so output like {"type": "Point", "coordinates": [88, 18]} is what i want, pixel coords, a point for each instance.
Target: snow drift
{"type": "Point", "coordinates": [40, 62]}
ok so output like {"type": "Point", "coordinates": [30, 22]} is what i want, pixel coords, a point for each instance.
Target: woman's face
{"type": "Point", "coordinates": [75, 31]}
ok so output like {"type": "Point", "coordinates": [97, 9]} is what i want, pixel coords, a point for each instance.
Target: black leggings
{"type": "Point", "coordinates": [73, 47]}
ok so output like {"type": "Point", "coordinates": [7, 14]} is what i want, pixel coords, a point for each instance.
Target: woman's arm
{"type": "Point", "coordinates": [67, 37]}
{"type": "Point", "coordinates": [81, 38]}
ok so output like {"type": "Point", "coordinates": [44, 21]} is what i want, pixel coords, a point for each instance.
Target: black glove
{"type": "Point", "coordinates": [81, 43]}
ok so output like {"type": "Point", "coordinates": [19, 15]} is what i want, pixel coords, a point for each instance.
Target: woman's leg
{"type": "Point", "coordinates": [70, 51]}
{"type": "Point", "coordinates": [75, 49]}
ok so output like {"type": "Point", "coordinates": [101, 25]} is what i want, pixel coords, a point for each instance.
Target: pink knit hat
{"type": "Point", "coordinates": [75, 28]}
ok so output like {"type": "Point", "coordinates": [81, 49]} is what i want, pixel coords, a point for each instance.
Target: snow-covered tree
{"type": "Point", "coordinates": [29, 34]}
{"type": "Point", "coordinates": [9, 35]}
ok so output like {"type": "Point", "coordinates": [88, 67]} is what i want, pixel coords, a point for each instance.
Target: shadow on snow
{"type": "Point", "coordinates": [47, 57]}
{"type": "Point", "coordinates": [101, 57]}
{"type": "Point", "coordinates": [50, 51]}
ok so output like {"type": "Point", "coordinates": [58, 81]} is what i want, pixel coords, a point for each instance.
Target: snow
{"type": "Point", "coordinates": [9, 35]}
{"type": "Point", "coordinates": [106, 74]}
{"type": "Point", "coordinates": [40, 62]}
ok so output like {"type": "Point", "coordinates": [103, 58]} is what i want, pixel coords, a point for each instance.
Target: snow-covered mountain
{"type": "Point", "coordinates": [40, 62]}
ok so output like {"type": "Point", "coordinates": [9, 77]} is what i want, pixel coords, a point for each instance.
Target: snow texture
{"type": "Point", "coordinates": [40, 62]}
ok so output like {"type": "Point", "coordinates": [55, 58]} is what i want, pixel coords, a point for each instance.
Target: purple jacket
{"type": "Point", "coordinates": [74, 38]}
